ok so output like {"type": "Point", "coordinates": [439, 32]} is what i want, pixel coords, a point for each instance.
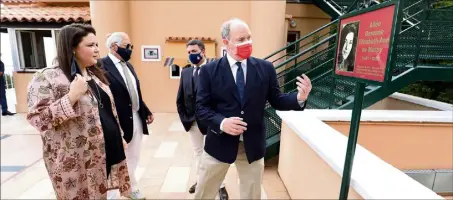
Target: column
{"type": "Point", "coordinates": [108, 17]}
{"type": "Point", "coordinates": [267, 23]}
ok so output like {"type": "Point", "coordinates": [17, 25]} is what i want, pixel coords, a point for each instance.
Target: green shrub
{"type": "Point", "coordinates": [434, 90]}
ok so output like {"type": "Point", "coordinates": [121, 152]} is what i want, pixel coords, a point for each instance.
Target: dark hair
{"type": "Point", "coordinates": [69, 38]}
{"type": "Point", "coordinates": [196, 42]}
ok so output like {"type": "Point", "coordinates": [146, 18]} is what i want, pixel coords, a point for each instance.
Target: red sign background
{"type": "Point", "coordinates": [372, 45]}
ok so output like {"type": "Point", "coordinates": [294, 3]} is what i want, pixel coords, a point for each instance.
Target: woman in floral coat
{"type": "Point", "coordinates": [72, 107]}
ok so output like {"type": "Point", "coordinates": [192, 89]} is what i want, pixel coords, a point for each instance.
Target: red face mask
{"type": "Point", "coordinates": [244, 50]}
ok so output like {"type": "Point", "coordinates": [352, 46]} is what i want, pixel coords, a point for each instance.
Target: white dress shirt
{"type": "Point", "coordinates": [195, 67]}
{"type": "Point", "coordinates": [118, 66]}
{"type": "Point", "coordinates": [234, 69]}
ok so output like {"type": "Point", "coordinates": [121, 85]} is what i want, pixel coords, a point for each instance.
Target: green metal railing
{"type": "Point", "coordinates": [426, 36]}
{"type": "Point", "coordinates": [311, 54]}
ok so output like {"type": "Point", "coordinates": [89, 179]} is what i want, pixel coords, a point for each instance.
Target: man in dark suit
{"type": "Point", "coordinates": [231, 97]}
{"type": "Point", "coordinates": [134, 115]}
{"type": "Point", "coordinates": [3, 101]}
{"type": "Point", "coordinates": [185, 103]}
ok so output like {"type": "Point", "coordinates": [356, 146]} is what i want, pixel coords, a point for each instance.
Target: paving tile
{"type": "Point", "coordinates": [151, 182]}
{"type": "Point", "coordinates": [139, 173]}
{"type": "Point", "coordinates": [157, 168]}
{"type": "Point", "coordinates": [16, 125]}
{"type": "Point", "coordinates": [50, 196]}
{"type": "Point", "coordinates": [166, 149]}
{"type": "Point", "coordinates": [40, 190]}
{"type": "Point", "coordinates": [4, 137]}
{"type": "Point", "coordinates": [21, 182]}
{"type": "Point", "coordinates": [113, 194]}
{"type": "Point", "coordinates": [173, 195]}
{"type": "Point", "coordinates": [21, 150]}
{"type": "Point", "coordinates": [176, 180]}
{"type": "Point", "coordinates": [151, 192]}
{"type": "Point", "coordinates": [6, 175]}
{"type": "Point", "coordinates": [166, 169]}
{"type": "Point", "coordinates": [263, 193]}
{"type": "Point", "coordinates": [12, 168]}
{"type": "Point", "coordinates": [277, 195]}
{"type": "Point", "coordinates": [176, 126]}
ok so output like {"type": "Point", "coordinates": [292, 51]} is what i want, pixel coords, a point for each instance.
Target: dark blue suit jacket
{"type": "Point", "coordinates": [185, 101]}
{"type": "Point", "coordinates": [122, 99]}
{"type": "Point", "coordinates": [218, 98]}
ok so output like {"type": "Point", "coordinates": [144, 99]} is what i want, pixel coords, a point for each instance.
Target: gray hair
{"type": "Point", "coordinates": [226, 27]}
{"type": "Point", "coordinates": [116, 37]}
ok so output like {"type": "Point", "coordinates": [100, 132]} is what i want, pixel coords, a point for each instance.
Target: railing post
{"type": "Point", "coordinates": [420, 32]}
{"type": "Point", "coordinates": [297, 51]}
{"type": "Point", "coordinates": [332, 92]}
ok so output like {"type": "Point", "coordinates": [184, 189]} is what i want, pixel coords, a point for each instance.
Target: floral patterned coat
{"type": "Point", "coordinates": [73, 141]}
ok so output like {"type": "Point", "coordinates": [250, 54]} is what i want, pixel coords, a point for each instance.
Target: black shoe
{"type": "Point", "coordinates": [192, 189]}
{"type": "Point", "coordinates": [223, 194]}
{"type": "Point", "coordinates": [7, 113]}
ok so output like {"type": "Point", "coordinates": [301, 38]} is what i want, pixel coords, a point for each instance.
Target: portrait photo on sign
{"type": "Point", "coordinates": [151, 53]}
{"type": "Point", "coordinates": [348, 46]}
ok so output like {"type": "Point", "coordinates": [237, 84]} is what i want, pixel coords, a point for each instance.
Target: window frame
{"type": "Point", "coordinates": [16, 45]}
{"type": "Point", "coordinates": [297, 34]}
{"type": "Point", "coordinates": [170, 70]}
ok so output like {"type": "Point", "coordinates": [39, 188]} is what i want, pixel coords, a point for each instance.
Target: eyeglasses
{"type": "Point", "coordinates": [128, 46]}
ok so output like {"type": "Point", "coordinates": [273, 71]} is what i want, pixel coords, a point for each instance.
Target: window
{"type": "Point", "coordinates": [176, 57]}
{"type": "Point", "coordinates": [36, 48]}
{"type": "Point", "coordinates": [175, 71]}
{"type": "Point", "coordinates": [292, 36]}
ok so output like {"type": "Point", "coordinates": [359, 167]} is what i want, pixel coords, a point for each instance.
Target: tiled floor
{"type": "Point", "coordinates": [165, 171]}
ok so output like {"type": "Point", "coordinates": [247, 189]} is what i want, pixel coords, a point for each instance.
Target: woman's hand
{"type": "Point", "coordinates": [77, 89]}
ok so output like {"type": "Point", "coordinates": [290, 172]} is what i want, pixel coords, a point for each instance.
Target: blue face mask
{"type": "Point", "coordinates": [195, 58]}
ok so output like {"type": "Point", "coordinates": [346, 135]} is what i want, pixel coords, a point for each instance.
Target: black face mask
{"type": "Point", "coordinates": [124, 53]}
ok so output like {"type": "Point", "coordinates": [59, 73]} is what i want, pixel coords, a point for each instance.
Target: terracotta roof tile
{"type": "Point", "coordinates": [18, 1]}
{"type": "Point", "coordinates": [43, 13]}
{"type": "Point", "coordinates": [189, 38]}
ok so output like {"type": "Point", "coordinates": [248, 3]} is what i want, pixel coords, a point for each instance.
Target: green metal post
{"type": "Point", "coordinates": [352, 141]}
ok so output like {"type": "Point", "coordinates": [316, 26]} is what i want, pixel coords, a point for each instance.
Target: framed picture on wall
{"type": "Point", "coordinates": [151, 53]}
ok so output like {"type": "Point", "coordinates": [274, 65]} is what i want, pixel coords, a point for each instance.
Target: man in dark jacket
{"type": "Point", "coordinates": [133, 114]}
{"type": "Point", "coordinates": [185, 103]}
{"type": "Point", "coordinates": [3, 101]}
{"type": "Point", "coordinates": [231, 97]}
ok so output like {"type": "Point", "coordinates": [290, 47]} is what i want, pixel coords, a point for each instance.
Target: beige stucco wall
{"type": "Point", "coordinates": [304, 173]}
{"type": "Point", "coordinates": [406, 145]}
{"type": "Point", "coordinates": [390, 103]}
{"type": "Point", "coordinates": [21, 81]}
{"type": "Point", "coordinates": [102, 14]}
{"type": "Point", "coordinates": [308, 17]}
{"type": "Point", "coordinates": [150, 22]}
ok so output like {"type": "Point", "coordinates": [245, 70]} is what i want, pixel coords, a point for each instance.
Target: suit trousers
{"type": "Point", "coordinates": [198, 139]}
{"type": "Point", "coordinates": [132, 156]}
{"type": "Point", "coordinates": [133, 150]}
{"type": "Point", "coordinates": [212, 172]}
{"type": "Point", "coordinates": [3, 101]}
